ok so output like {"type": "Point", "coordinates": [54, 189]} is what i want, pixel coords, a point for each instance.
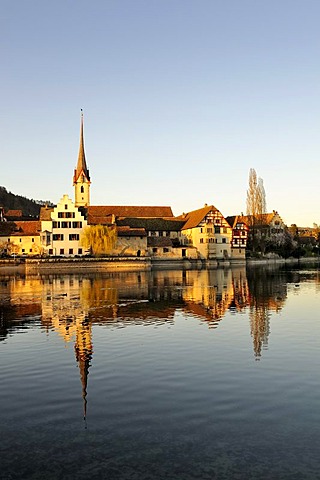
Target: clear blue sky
{"type": "Point", "coordinates": [181, 98]}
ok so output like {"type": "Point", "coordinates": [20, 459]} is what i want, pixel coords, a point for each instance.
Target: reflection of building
{"type": "Point", "coordinates": [71, 304]}
{"type": "Point", "coordinates": [209, 293]}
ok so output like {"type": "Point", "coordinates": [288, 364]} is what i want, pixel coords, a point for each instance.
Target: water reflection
{"type": "Point", "coordinates": [71, 304]}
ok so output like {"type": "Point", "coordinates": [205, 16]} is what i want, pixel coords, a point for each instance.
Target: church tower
{"type": "Point", "coordinates": [81, 178]}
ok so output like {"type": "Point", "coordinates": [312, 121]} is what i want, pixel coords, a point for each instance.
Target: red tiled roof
{"type": "Point", "coordinates": [100, 220]}
{"type": "Point", "coordinates": [13, 213]}
{"type": "Point", "coordinates": [20, 228]}
{"type": "Point", "coordinates": [129, 211]}
{"type": "Point", "coordinates": [28, 228]}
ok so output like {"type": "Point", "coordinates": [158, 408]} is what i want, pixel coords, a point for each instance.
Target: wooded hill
{"type": "Point", "coordinates": [10, 201]}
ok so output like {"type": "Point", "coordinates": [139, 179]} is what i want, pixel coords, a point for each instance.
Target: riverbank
{"type": "Point", "coordinates": [109, 264]}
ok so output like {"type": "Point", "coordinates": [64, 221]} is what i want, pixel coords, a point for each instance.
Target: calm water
{"type": "Point", "coordinates": [163, 375]}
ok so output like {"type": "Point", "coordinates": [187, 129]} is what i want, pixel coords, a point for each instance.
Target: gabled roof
{"type": "Point", "coordinates": [82, 164]}
{"type": "Point", "coordinates": [233, 220]}
{"type": "Point", "coordinates": [262, 219]}
{"type": "Point", "coordinates": [45, 213]}
{"type": "Point", "coordinates": [129, 211]}
{"type": "Point", "coordinates": [194, 218]}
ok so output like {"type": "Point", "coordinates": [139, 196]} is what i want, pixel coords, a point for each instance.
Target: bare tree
{"type": "Point", "coordinates": [256, 198]}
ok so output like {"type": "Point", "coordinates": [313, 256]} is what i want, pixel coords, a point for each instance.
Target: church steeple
{"type": "Point", "coordinates": [81, 177]}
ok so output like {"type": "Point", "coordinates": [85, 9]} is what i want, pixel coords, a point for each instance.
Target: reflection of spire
{"type": "Point", "coordinates": [83, 350]}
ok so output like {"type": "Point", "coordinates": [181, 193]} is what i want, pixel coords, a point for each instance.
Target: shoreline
{"type": "Point", "coordinates": [67, 265]}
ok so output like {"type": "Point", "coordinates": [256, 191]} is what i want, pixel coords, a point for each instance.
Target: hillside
{"type": "Point", "coordinates": [10, 201]}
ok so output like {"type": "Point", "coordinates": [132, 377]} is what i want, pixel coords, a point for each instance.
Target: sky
{"type": "Point", "coordinates": [180, 98]}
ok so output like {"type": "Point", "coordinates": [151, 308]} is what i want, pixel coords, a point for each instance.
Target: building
{"type": "Point", "coordinates": [142, 231]}
{"type": "Point", "coordinates": [20, 238]}
{"type": "Point", "coordinates": [208, 231]}
{"type": "Point", "coordinates": [61, 228]}
{"type": "Point", "coordinates": [240, 232]}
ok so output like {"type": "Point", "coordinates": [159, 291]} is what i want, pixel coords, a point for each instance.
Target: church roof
{"type": "Point", "coordinates": [106, 211]}
{"type": "Point", "coordinates": [82, 164]}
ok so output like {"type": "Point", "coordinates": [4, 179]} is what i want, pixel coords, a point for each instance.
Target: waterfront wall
{"type": "Point", "coordinates": [94, 265]}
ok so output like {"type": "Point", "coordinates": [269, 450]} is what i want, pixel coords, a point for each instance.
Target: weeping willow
{"type": "Point", "coordinates": [99, 239]}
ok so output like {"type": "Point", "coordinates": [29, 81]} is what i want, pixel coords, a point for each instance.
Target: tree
{"type": "Point", "coordinates": [99, 239]}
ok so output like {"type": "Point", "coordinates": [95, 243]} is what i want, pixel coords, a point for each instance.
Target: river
{"type": "Point", "coordinates": [200, 374]}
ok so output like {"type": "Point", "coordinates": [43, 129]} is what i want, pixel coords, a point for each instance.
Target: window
{"type": "Point", "coordinates": [60, 214]}
{"type": "Point", "coordinates": [201, 240]}
{"type": "Point", "coordinates": [79, 251]}
{"type": "Point", "coordinates": [243, 241]}
{"type": "Point", "coordinates": [216, 229]}
{"type": "Point", "coordinates": [201, 230]}
{"type": "Point", "coordinates": [32, 239]}
{"type": "Point", "coordinates": [50, 251]}
{"type": "Point", "coordinates": [66, 207]}
{"type": "Point", "coordinates": [57, 237]}
{"type": "Point", "coordinates": [76, 224]}
{"type": "Point", "coordinates": [73, 236]}
{"type": "Point", "coordinates": [70, 251]}
{"type": "Point", "coordinates": [20, 240]}
{"type": "Point", "coordinates": [154, 250]}
{"type": "Point", "coordinates": [209, 230]}
{"type": "Point", "coordinates": [65, 224]}
{"type": "Point", "coordinates": [225, 230]}
{"type": "Point", "coordinates": [82, 189]}
{"type": "Point", "coordinates": [160, 234]}
{"type": "Point", "coordinates": [30, 250]}
{"type": "Point", "coordinates": [224, 240]}
{"type": "Point", "coordinates": [165, 250]}
{"type": "Point", "coordinates": [61, 251]}
{"type": "Point", "coordinates": [23, 250]}
{"type": "Point", "coordinates": [55, 224]}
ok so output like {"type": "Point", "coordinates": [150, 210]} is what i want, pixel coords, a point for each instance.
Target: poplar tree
{"type": "Point", "coordinates": [256, 208]}
{"type": "Point", "coordinates": [256, 198]}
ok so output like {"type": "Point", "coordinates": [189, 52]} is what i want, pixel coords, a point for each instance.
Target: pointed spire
{"type": "Point", "coordinates": [81, 165]}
